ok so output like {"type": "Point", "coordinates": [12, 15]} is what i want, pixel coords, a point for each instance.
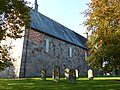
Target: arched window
{"type": "Point", "coordinates": [47, 45]}
{"type": "Point", "coordinates": [85, 55]}
{"type": "Point", "coordinates": [70, 51]}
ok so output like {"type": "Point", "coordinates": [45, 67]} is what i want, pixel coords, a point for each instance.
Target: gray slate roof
{"type": "Point", "coordinates": [48, 26]}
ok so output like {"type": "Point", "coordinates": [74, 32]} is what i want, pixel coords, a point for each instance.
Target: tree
{"type": "Point", "coordinates": [103, 24]}
{"type": "Point", "coordinates": [14, 19]}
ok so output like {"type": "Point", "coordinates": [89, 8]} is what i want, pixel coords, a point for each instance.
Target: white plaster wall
{"type": "Point", "coordinates": [16, 52]}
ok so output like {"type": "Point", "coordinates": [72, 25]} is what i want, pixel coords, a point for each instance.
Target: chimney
{"type": "Point", "coordinates": [36, 6]}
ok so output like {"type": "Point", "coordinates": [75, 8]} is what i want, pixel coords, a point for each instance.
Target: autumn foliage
{"type": "Point", "coordinates": [14, 19]}
{"type": "Point", "coordinates": [103, 26]}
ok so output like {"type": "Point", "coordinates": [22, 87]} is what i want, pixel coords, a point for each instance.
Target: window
{"type": "Point", "coordinates": [54, 50]}
{"type": "Point", "coordinates": [85, 55]}
{"type": "Point", "coordinates": [47, 45]}
{"type": "Point", "coordinates": [70, 51]}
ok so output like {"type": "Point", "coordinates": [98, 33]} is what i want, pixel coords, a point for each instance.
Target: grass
{"type": "Point", "coordinates": [99, 83]}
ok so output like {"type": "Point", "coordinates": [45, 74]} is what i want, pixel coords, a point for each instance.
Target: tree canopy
{"type": "Point", "coordinates": [14, 19]}
{"type": "Point", "coordinates": [15, 16]}
{"type": "Point", "coordinates": [103, 25]}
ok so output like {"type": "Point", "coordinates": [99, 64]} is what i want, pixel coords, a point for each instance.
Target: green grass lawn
{"type": "Point", "coordinates": [99, 83]}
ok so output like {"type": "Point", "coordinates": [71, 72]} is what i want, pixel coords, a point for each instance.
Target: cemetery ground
{"type": "Point", "coordinates": [99, 83]}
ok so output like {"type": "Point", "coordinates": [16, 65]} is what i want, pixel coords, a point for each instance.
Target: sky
{"type": "Point", "coordinates": [65, 12]}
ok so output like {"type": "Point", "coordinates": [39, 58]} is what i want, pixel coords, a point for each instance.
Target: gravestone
{"type": "Point", "coordinates": [56, 74]}
{"type": "Point", "coordinates": [77, 73]}
{"type": "Point", "coordinates": [72, 76]}
{"type": "Point", "coordinates": [43, 74]}
{"type": "Point", "coordinates": [67, 73]}
{"type": "Point", "coordinates": [90, 74]}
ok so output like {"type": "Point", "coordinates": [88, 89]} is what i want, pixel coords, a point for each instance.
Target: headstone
{"type": "Point", "coordinates": [67, 73]}
{"type": "Point", "coordinates": [56, 74]}
{"type": "Point", "coordinates": [113, 72]}
{"type": "Point", "coordinates": [77, 73]}
{"type": "Point", "coordinates": [43, 74]}
{"type": "Point", "coordinates": [90, 74]}
{"type": "Point", "coordinates": [72, 76]}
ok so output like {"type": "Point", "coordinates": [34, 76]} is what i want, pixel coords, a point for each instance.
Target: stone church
{"type": "Point", "coordinates": [47, 44]}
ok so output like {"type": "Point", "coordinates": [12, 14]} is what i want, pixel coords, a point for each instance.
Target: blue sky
{"type": "Point", "coordinates": [66, 12]}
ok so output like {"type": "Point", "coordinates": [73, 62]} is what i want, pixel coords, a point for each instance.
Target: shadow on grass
{"type": "Point", "coordinates": [37, 84]}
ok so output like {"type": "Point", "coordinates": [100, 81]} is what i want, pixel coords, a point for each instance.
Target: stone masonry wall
{"type": "Point", "coordinates": [36, 58]}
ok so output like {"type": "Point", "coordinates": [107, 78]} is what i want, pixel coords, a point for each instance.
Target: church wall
{"type": "Point", "coordinates": [44, 51]}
